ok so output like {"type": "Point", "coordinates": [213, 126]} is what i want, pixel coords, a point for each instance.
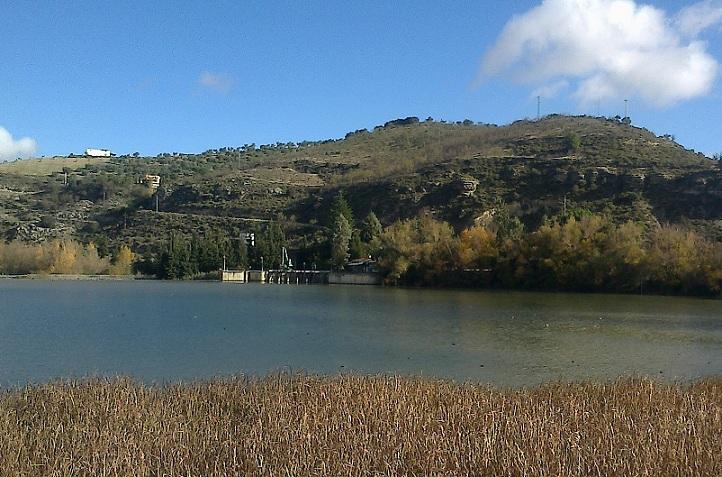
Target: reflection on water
{"type": "Point", "coordinates": [163, 331]}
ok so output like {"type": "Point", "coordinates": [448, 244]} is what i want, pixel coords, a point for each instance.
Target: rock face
{"type": "Point", "coordinates": [35, 233]}
{"type": "Point", "coordinates": [633, 181]}
{"type": "Point", "coordinates": [659, 179]}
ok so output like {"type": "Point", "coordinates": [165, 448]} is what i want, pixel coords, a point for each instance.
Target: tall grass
{"type": "Point", "coordinates": [351, 425]}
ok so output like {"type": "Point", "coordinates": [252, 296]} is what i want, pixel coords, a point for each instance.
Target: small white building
{"type": "Point", "coordinates": [98, 152]}
{"type": "Point", "coordinates": [151, 181]}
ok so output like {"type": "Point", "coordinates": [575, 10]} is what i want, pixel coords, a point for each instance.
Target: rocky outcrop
{"type": "Point", "coordinates": [633, 181]}
{"type": "Point", "coordinates": [466, 185]}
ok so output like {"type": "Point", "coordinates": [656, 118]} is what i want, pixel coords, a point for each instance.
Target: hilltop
{"type": "Point", "coordinates": [458, 172]}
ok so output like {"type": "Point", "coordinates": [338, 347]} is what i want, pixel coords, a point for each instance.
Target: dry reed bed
{"type": "Point", "coordinates": [351, 425]}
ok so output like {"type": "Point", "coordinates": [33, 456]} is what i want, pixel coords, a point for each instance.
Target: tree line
{"type": "Point", "coordinates": [580, 252]}
{"type": "Point", "coordinates": [586, 253]}
{"type": "Point", "coordinates": [62, 257]}
{"type": "Point", "coordinates": [182, 257]}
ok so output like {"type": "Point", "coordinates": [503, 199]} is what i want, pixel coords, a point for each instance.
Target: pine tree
{"type": "Point", "coordinates": [340, 241]}
{"type": "Point", "coordinates": [357, 247]}
{"type": "Point", "coordinates": [340, 206]}
{"type": "Point", "coordinates": [371, 228]}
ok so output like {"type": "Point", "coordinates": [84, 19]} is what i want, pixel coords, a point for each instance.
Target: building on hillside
{"type": "Point", "coordinates": [98, 153]}
{"type": "Point", "coordinates": [152, 181]}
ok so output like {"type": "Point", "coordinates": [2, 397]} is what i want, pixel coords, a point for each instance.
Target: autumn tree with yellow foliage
{"type": "Point", "coordinates": [123, 263]}
{"type": "Point", "coordinates": [588, 253]}
{"type": "Point", "coordinates": [61, 257]}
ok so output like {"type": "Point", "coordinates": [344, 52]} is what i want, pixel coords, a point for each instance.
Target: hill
{"type": "Point", "coordinates": [457, 172]}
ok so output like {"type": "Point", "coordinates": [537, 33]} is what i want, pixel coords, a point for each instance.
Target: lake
{"type": "Point", "coordinates": [170, 331]}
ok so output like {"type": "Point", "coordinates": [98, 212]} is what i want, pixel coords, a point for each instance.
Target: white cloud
{"type": "Point", "coordinates": [607, 49]}
{"type": "Point", "coordinates": [696, 18]}
{"type": "Point", "coordinates": [11, 149]}
{"type": "Point", "coordinates": [218, 82]}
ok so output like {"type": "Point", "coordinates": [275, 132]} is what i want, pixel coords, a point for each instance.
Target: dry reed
{"type": "Point", "coordinates": [352, 425]}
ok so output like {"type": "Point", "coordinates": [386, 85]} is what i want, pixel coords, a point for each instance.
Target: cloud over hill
{"type": "Point", "coordinates": [609, 49]}
{"type": "Point", "coordinates": [11, 149]}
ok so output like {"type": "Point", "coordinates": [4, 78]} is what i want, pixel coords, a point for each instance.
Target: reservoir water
{"type": "Point", "coordinates": [177, 331]}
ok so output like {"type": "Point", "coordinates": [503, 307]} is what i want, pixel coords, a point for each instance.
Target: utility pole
{"type": "Point", "coordinates": [156, 202]}
{"type": "Point", "coordinates": [626, 108]}
{"type": "Point", "coordinates": [538, 108]}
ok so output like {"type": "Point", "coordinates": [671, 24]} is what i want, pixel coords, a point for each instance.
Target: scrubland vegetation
{"type": "Point", "coordinates": [352, 425]}
{"type": "Point", "coordinates": [62, 257]}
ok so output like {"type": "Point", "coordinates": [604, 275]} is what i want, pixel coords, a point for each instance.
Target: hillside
{"type": "Point", "coordinates": [456, 171]}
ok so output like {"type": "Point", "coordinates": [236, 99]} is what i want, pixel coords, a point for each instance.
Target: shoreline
{"type": "Point", "coordinates": [71, 277]}
{"type": "Point", "coordinates": [90, 278]}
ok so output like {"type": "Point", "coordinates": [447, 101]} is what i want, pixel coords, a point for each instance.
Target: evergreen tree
{"type": "Point", "coordinates": [340, 241]}
{"type": "Point", "coordinates": [340, 206]}
{"type": "Point", "coordinates": [238, 255]}
{"type": "Point", "coordinates": [357, 247]}
{"type": "Point", "coordinates": [371, 228]}
{"type": "Point", "coordinates": [175, 263]}
{"type": "Point", "coordinates": [269, 243]}
{"type": "Point", "coordinates": [507, 227]}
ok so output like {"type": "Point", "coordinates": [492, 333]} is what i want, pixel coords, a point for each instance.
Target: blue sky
{"type": "Point", "coordinates": [188, 76]}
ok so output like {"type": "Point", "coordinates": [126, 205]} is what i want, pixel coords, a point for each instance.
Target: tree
{"type": "Point", "coordinates": [340, 206]}
{"type": "Point", "coordinates": [64, 254]}
{"type": "Point", "coordinates": [371, 228]}
{"type": "Point", "coordinates": [340, 241]}
{"type": "Point", "coordinates": [357, 247]}
{"type": "Point", "coordinates": [123, 264]}
{"type": "Point", "coordinates": [678, 260]}
{"type": "Point", "coordinates": [175, 262]}
{"type": "Point", "coordinates": [238, 256]}
{"type": "Point", "coordinates": [623, 259]}
{"type": "Point", "coordinates": [269, 243]}
{"type": "Point", "coordinates": [573, 142]}
{"type": "Point", "coordinates": [477, 248]}
{"type": "Point", "coordinates": [417, 251]}
{"type": "Point", "coordinates": [506, 226]}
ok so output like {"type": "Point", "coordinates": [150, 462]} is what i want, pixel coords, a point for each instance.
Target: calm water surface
{"type": "Point", "coordinates": [165, 331]}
